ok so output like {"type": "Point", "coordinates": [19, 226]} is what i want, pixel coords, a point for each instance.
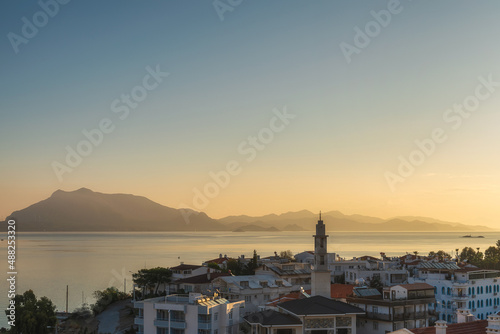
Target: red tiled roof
{"type": "Point", "coordinates": [417, 286]}
{"type": "Point", "coordinates": [473, 327]}
{"type": "Point", "coordinates": [218, 260]}
{"type": "Point", "coordinates": [342, 290]}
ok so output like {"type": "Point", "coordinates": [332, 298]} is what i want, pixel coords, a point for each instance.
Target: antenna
{"type": "Point", "coordinates": [67, 292]}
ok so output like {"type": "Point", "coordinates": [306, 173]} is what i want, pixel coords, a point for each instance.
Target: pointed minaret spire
{"type": "Point", "coordinates": [320, 275]}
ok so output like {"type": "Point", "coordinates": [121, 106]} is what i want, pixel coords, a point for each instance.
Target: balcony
{"type": "Point", "coordinates": [139, 321]}
{"type": "Point", "coordinates": [459, 296]}
{"type": "Point", "coordinates": [179, 324]}
{"type": "Point", "coordinates": [161, 323]}
{"type": "Point", "coordinates": [410, 316]}
{"type": "Point", "coordinates": [204, 325]}
{"type": "Point", "coordinates": [378, 316]}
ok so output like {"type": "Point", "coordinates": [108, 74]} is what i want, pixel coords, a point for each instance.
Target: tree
{"type": "Point", "coordinates": [473, 257]}
{"type": "Point", "coordinates": [376, 283]}
{"type": "Point", "coordinates": [214, 265]}
{"type": "Point", "coordinates": [441, 255]}
{"type": "Point", "coordinates": [152, 278]}
{"type": "Point", "coordinates": [491, 258]}
{"type": "Point", "coordinates": [106, 297]}
{"type": "Point", "coordinates": [287, 255]}
{"type": "Point", "coordinates": [234, 266]}
{"type": "Point", "coordinates": [251, 265]}
{"type": "Point", "coordinates": [33, 315]}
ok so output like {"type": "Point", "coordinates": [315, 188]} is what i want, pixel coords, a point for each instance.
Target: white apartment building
{"type": "Point", "coordinates": [400, 306]}
{"type": "Point", "coordinates": [193, 314]}
{"type": "Point", "coordinates": [255, 290]}
{"type": "Point", "coordinates": [297, 274]}
{"type": "Point", "coordinates": [461, 288]}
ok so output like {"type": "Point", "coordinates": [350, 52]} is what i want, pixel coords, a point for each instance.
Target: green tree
{"type": "Point", "coordinates": [251, 265]}
{"type": "Point", "coordinates": [234, 266]}
{"type": "Point", "coordinates": [215, 266]}
{"type": "Point", "coordinates": [152, 278]}
{"type": "Point", "coordinates": [33, 315]}
{"type": "Point", "coordinates": [492, 258]}
{"type": "Point", "coordinates": [441, 255]}
{"type": "Point", "coordinates": [470, 255]}
{"type": "Point", "coordinates": [106, 297]}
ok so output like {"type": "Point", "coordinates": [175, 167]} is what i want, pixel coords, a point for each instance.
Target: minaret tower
{"type": "Point", "coordinates": [320, 276]}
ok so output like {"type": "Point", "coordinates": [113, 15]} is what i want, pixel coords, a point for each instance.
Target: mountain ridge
{"type": "Point", "coordinates": [87, 210]}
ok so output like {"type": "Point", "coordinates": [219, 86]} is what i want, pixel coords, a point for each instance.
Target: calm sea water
{"type": "Point", "coordinates": [47, 262]}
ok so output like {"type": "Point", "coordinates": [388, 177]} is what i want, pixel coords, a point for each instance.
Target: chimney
{"type": "Point", "coordinates": [208, 274]}
{"type": "Point", "coordinates": [220, 256]}
{"type": "Point", "coordinates": [440, 327]}
{"type": "Point", "coordinates": [463, 315]}
{"type": "Point", "coordinates": [493, 323]}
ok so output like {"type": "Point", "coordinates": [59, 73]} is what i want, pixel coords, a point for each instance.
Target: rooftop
{"type": "Point", "coordinates": [318, 305]}
{"type": "Point", "coordinates": [254, 281]}
{"type": "Point", "coordinates": [417, 286]}
{"type": "Point", "coordinates": [473, 327]}
{"type": "Point", "coordinates": [272, 318]}
{"type": "Point", "coordinates": [185, 267]}
{"type": "Point", "coordinates": [337, 291]}
{"type": "Point", "coordinates": [201, 279]}
{"type": "Point", "coordinates": [439, 265]}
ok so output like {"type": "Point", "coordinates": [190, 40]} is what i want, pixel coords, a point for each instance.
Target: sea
{"type": "Point", "coordinates": [48, 262]}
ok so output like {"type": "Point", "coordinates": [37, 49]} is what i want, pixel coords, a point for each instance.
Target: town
{"type": "Point", "coordinates": [319, 292]}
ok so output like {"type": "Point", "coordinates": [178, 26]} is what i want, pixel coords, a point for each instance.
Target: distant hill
{"type": "Point", "coordinates": [85, 210]}
{"type": "Point", "coordinates": [337, 221]}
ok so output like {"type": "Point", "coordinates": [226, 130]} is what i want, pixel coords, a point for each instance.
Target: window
{"type": "Point", "coordinates": [267, 297]}
{"type": "Point", "coordinates": [442, 290]}
{"type": "Point", "coordinates": [248, 299]}
{"type": "Point", "coordinates": [216, 316]}
{"type": "Point", "coordinates": [375, 309]}
{"type": "Point", "coordinates": [230, 315]}
{"type": "Point", "coordinates": [263, 284]}
{"type": "Point", "coordinates": [321, 260]}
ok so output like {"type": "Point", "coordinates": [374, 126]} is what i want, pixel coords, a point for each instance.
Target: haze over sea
{"type": "Point", "coordinates": [47, 262]}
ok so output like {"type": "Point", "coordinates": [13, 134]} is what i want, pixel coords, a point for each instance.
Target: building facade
{"type": "Point", "coordinates": [400, 306]}
{"type": "Point", "coordinates": [192, 314]}
{"type": "Point", "coordinates": [475, 290]}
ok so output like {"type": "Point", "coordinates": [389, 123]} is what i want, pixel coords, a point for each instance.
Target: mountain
{"type": "Point", "coordinates": [337, 221]}
{"type": "Point", "coordinates": [85, 210]}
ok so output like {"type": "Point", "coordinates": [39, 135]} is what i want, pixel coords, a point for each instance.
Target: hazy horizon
{"type": "Point", "coordinates": [301, 105]}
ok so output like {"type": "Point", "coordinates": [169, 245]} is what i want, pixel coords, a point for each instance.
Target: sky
{"type": "Point", "coordinates": [231, 107]}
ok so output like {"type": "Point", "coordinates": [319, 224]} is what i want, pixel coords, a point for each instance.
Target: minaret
{"type": "Point", "coordinates": [320, 276]}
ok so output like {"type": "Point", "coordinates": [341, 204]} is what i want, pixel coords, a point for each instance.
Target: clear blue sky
{"type": "Point", "coordinates": [352, 121]}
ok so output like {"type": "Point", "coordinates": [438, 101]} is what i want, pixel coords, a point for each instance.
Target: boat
{"type": "Point", "coordinates": [470, 236]}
